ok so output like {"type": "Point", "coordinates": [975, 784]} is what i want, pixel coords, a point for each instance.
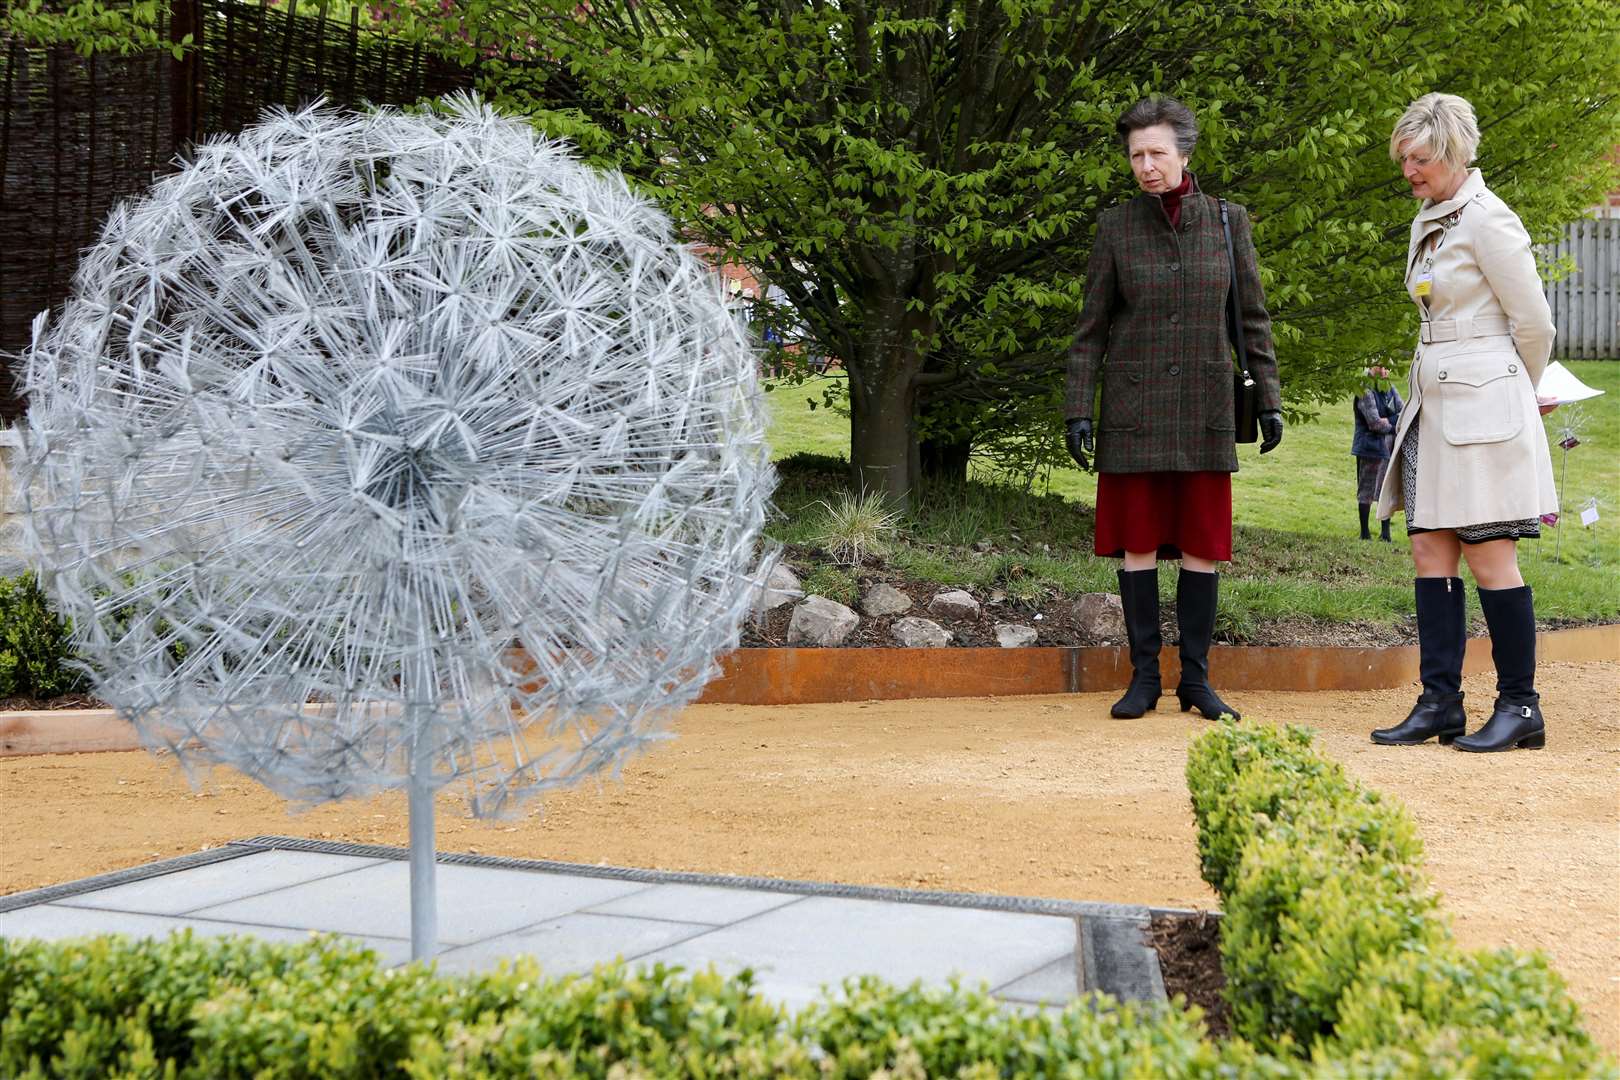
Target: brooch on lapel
{"type": "Point", "coordinates": [1451, 219]}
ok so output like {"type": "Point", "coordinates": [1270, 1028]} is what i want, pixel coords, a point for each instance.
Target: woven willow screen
{"type": "Point", "coordinates": [77, 134]}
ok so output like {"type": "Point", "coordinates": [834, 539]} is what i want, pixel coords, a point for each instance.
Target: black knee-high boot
{"type": "Point", "coordinates": [1195, 612]}
{"type": "Point", "coordinates": [1442, 635]}
{"type": "Point", "coordinates": [1139, 595]}
{"type": "Point", "coordinates": [1366, 509]}
{"type": "Point", "coordinates": [1516, 719]}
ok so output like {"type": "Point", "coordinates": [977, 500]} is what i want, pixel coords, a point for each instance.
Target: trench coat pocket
{"type": "Point", "coordinates": [1480, 398]}
{"type": "Point", "coordinates": [1219, 413]}
{"type": "Point", "coordinates": [1122, 397]}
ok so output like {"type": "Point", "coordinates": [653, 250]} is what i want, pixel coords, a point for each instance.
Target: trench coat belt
{"type": "Point", "coordinates": [1432, 330]}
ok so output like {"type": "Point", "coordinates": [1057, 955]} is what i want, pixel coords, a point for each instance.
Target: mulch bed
{"type": "Point", "coordinates": [63, 701]}
{"type": "Point", "coordinates": [1189, 948]}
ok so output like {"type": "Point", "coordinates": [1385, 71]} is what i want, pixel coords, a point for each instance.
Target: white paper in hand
{"type": "Point", "coordinates": [1559, 386]}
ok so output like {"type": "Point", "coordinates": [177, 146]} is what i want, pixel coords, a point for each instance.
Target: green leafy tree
{"type": "Point", "coordinates": [921, 178]}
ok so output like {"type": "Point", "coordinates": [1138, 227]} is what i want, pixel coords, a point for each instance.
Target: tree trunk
{"type": "Point", "coordinates": [881, 438]}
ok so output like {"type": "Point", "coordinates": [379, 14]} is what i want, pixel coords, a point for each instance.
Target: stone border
{"type": "Point", "coordinates": [806, 676]}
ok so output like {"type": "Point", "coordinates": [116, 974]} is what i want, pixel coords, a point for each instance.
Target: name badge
{"type": "Point", "coordinates": [1423, 283]}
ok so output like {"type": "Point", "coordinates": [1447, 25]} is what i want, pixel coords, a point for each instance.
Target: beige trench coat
{"type": "Point", "coordinates": [1483, 344]}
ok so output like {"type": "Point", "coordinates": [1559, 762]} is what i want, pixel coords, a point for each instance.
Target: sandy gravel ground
{"type": "Point", "coordinates": [1035, 796]}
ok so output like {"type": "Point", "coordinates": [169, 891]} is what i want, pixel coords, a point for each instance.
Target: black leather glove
{"type": "Point", "coordinates": [1270, 430]}
{"type": "Point", "coordinates": [1078, 440]}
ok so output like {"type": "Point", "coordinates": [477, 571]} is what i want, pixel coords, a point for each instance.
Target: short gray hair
{"type": "Point", "coordinates": [1444, 124]}
{"type": "Point", "coordinates": [1156, 109]}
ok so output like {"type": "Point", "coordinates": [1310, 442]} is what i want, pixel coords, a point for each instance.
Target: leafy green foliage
{"type": "Point", "coordinates": [832, 582]}
{"type": "Point", "coordinates": [35, 644]}
{"type": "Point", "coordinates": [1332, 942]}
{"type": "Point", "coordinates": [922, 183]}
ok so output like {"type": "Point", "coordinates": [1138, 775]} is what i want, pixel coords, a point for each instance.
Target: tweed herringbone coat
{"type": "Point", "coordinates": [1153, 334]}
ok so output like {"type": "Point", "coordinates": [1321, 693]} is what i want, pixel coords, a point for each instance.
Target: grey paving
{"type": "Point", "coordinates": [573, 943]}
{"type": "Point", "coordinates": [53, 922]}
{"type": "Point", "coordinates": [799, 938]}
{"type": "Point", "coordinates": [712, 905]}
{"type": "Point", "coordinates": [475, 902]}
{"type": "Point", "coordinates": [177, 894]}
{"type": "Point", "coordinates": [797, 950]}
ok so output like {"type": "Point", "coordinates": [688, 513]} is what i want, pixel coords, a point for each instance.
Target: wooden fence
{"type": "Point", "coordinates": [78, 134]}
{"type": "Point", "coordinates": [1586, 304]}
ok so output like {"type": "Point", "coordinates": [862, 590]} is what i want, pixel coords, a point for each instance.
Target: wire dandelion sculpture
{"type": "Point", "coordinates": [352, 405]}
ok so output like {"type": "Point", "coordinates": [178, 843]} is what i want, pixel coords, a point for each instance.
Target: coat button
{"type": "Point", "coordinates": [1175, 369]}
{"type": "Point", "coordinates": [1175, 266]}
{"type": "Point", "coordinates": [1175, 316]}
{"type": "Point", "coordinates": [1442, 376]}
{"type": "Point", "coordinates": [1512, 368]}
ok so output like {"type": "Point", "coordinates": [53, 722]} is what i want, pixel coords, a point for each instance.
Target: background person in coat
{"type": "Point", "coordinates": [1153, 334]}
{"type": "Point", "coordinates": [1470, 467]}
{"type": "Point", "coordinates": [1377, 408]}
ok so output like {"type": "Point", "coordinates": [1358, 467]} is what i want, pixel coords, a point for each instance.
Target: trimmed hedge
{"type": "Point", "coordinates": [1332, 940]}
{"type": "Point", "coordinates": [192, 1007]}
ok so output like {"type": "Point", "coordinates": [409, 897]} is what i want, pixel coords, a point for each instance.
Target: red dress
{"type": "Point", "coordinates": [1170, 513]}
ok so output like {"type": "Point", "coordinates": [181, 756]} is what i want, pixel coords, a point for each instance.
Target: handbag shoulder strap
{"type": "Point", "coordinates": [1234, 300]}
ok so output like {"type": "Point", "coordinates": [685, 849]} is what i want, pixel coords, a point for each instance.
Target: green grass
{"type": "Point", "coordinates": [1296, 556]}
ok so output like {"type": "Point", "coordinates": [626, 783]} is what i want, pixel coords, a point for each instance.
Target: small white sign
{"type": "Point", "coordinates": [1589, 516]}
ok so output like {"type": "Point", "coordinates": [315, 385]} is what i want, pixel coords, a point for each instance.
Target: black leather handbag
{"type": "Point", "coordinates": [1245, 393]}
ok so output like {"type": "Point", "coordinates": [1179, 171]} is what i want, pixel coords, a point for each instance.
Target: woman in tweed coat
{"type": "Point", "coordinates": [1153, 337]}
{"type": "Point", "coordinates": [1470, 465]}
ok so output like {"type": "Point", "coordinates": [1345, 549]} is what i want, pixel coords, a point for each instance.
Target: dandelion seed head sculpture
{"type": "Point", "coordinates": [352, 403]}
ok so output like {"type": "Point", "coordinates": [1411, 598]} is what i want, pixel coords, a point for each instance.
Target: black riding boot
{"type": "Point", "coordinates": [1195, 612]}
{"type": "Point", "coordinates": [1366, 509]}
{"type": "Point", "coordinates": [1383, 531]}
{"type": "Point", "coordinates": [1139, 595]}
{"type": "Point", "coordinates": [1442, 635]}
{"type": "Point", "coordinates": [1516, 720]}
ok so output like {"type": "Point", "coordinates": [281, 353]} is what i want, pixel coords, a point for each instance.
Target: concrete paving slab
{"type": "Point", "coordinates": [1056, 983]}
{"type": "Point", "coordinates": [712, 905]}
{"type": "Point", "coordinates": [54, 922]}
{"type": "Point", "coordinates": [573, 943]}
{"type": "Point", "coordinates": [474, 902]}
{"type": "Point", "coordinates": [796, 950]}
{"type": "Point", "coordinates": [205, 886]}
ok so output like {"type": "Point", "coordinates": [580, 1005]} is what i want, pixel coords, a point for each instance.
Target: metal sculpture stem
{"type": "Point", "coordinates": [424, 891]}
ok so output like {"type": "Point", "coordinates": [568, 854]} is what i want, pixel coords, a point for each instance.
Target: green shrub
{"type": "Point", "coordinates": [1310, 907]}
{"type": "Point", "coordinates": [1497, 1013]}
{"type": "Point", "coordinates": [35, 645]}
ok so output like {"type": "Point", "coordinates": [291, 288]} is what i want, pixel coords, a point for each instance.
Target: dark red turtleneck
{"type": "Point", "coordinates": [1172, 200]}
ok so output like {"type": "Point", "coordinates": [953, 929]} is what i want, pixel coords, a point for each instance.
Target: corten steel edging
{"type": "Point", "coordinates": [809, 676]}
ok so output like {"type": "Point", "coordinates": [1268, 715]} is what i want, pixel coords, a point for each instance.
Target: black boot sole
{"type": "Point", "coordinates": [1536, 740]}
{"type": "Point", "coordinates": [1446, 739]}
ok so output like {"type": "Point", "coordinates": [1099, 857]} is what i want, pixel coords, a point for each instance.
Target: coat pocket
{"type": "Point", "coordinates": [1122, 397]}
{"type": "Point", "coordinates": [1219, 414]}
{"type": "Point", "coordinates": [1480, 398]}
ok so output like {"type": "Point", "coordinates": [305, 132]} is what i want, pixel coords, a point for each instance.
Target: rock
{"type": "Point", "coordinates": [915, 633]}
{"type": "Point", "coordinates": [819, 621]}
{"type": "Point", "coordinates": [1099, 616]}
{"type": "Point", "coordinates": [884, 599]}
{"type": "Point", "coordinates": [1014, 636]}
{"type": "Point", "coordinates": [954, 604]}
{"type": "Point", "coordinates": [781, 587]}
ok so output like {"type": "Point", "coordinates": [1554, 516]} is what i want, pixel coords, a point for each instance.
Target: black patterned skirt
{"type": "Point", "coordinates": [1524, 529]}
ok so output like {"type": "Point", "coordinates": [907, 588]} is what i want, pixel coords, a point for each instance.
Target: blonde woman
{"type": "Point", "coordinates": [1470, 465]}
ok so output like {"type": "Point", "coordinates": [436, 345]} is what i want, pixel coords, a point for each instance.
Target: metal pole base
{"type": "Point", "coordinates": [424, 894]}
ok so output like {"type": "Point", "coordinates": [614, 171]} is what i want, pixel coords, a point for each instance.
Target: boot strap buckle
{"type": "Point", "coordinates": [1524, 711]}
